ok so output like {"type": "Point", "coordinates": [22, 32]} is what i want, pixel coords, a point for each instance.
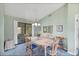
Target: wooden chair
{"type": "Point", "coordinates": [58, 43]}
{"type": "Point", "coordinates": [28, 45]}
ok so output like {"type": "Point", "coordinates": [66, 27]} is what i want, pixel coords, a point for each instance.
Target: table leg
{"type": "Point", "coordinates": [45, 51]}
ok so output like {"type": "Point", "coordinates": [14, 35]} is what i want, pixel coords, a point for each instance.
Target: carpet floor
{"type": "Point", "coordinates": [20, 50]}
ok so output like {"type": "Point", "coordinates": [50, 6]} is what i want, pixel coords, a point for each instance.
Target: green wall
{"type": "Point", "coordinates": [9, 26]}
{"type": "Point", "coordinates": [64, 16]}
{"type": "Point", "coordinates": [1, 29]}
{"type": "Point", "coordinates": [73, 9]}
{"type": "Point", "coordinates": [59, 17]}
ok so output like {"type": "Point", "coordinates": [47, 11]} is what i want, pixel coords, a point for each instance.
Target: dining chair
{"type": "Point", "coordinates": [58, 43]}
{"type": "Point", "coordinates": [29, 46]}
{"type": "Point", "coordinates": [55, 46]}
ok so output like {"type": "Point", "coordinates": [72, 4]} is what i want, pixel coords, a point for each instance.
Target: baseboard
{"type": "Point", "coordinates": [72, 53]}
{"type": "Point", "coordinates": [69, 52]}
{"type": "Point", "coordinates": [9, 49]}
{"type": "Point", "coordinates": [19, 43]}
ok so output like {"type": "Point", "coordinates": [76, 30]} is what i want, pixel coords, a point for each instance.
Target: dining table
{"type": "Point", "coordinates": [45, 42]}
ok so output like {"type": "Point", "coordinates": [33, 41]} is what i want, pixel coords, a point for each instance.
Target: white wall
{"type": "Point", "coordinates": [1, 29]}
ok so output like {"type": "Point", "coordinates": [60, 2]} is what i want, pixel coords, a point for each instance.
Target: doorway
{"type": "Point", "coordinates": [20, 29]}
{"type": "Point", "coordinates": [24, 28]}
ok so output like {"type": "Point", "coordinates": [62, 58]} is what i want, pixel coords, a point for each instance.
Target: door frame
{"type": "Point", "coordinates": [15, 32]}
{"type": "Point", "coordinates": [76, 34]}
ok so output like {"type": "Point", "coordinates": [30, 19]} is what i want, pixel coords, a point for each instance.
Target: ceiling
{"type": "Point", "coordinates": [31, 11]}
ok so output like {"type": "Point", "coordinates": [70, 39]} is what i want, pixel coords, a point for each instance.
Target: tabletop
{"type": "Point", "coordinates": [44, 42]}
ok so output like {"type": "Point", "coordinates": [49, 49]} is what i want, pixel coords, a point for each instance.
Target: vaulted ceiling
{"type": "Point", "coordinates": [31, 11]}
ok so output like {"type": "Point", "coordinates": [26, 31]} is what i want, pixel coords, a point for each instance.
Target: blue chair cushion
{"type": "Point", "coordinates": [34, 46]}
{"type": "Point", "coordinates": [49, 48]}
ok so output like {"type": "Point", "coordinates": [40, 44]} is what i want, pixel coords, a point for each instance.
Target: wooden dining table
{"type": "Point", "coordinates": [44, 42]}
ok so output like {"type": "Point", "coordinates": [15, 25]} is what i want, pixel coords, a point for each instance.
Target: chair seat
{"type": "Point", "coordinates": [49, 48]}
{"type": "Point", "coordinates": [34, 46]}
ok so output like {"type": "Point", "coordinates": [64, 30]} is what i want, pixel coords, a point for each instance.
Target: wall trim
{"type": "Point", "coordinates": [74, 54]}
